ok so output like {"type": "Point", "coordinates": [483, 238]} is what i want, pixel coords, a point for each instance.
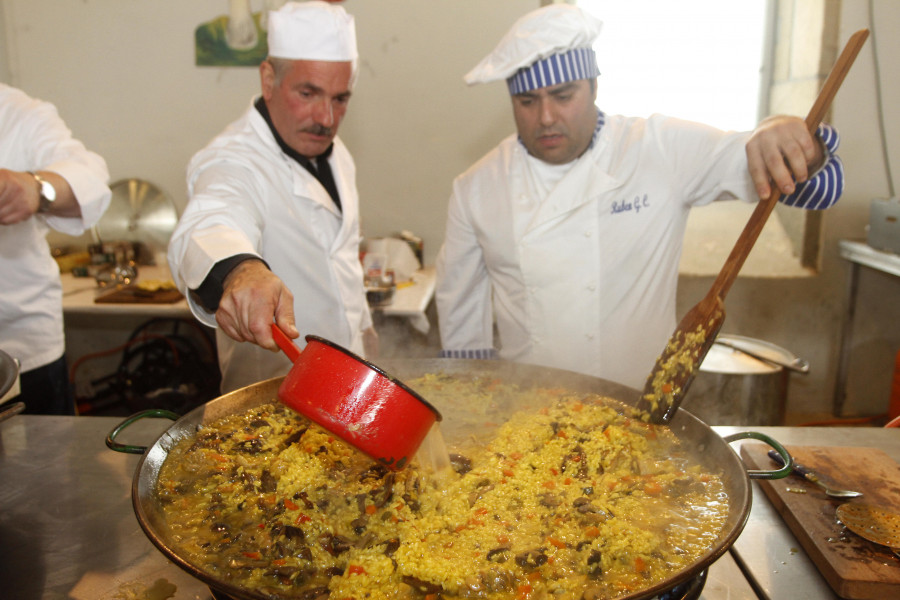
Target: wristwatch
{"type": "Point", "coordinates": [47, 191]}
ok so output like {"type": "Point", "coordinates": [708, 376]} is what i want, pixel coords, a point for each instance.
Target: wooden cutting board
{"type": "Point", "coordinates": [135, 295]}
{"type": "Point", "coordinates": [854, 568]}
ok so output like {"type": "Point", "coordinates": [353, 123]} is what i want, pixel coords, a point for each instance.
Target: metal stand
{"type": "Point", "coordinates": [856, 253]}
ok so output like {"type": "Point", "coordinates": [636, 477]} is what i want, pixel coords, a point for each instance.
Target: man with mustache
{"type": "Point", "coordinates": [271, 231]}
{"type": "Point", "coordinates": [567, 236]}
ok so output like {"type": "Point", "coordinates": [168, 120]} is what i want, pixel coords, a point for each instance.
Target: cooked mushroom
{"type": "Point", "coordinates": [383, 494]}
{"type": "Point", "coordinates": [359, 525]}
{"type": "Point", "coordinates": [481, 488]}
{"type": "Point", "coordinates": [594, 564]}
{"type": "Point", "coordinates": [549, 499]}
{"type": "Point", "coordinates": [376, 471]}
{"type": "Point", "coordinates": [391, 546]}
{"type": "Point", "coordinates": [295, 437]}
{"type": "Point", "coordinates": [498, 580]}
{"type": "Point", "coordinates": [305, 499]}
{"type": "Point", "coordinates": [335, 544]}
{"type": "Point", "coordinates": [498, 555]}
{"type": "Point", "coordinates": [252, 446]}
{"type": "Point", "coordinates": [411, 502]}
{"type": "Point", "coordinates": [267, 482]}
{"type": "Point", "coordinates": [460, 463]}
{"type": "Point", "coordinates": [531, 559]}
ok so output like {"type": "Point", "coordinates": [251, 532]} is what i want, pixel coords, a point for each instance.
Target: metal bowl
{"type": "Point", "coordinates": [9, 372]}
{"type": "Point", "coordinates": [380, 296]}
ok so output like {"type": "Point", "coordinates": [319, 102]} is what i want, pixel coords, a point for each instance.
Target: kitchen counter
{"type": "Point", "coordinates": [68, 530]}
{"type": "Point", "coordinates": [768, 551]}
{"type": "Point", "coordinates": [411, 299]}
{"type": "Point", "coordinates": [79, 294]}
{"type": "Point", "coordinates": [94, 329]}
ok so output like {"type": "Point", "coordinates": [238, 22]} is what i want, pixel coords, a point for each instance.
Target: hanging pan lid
{"type": "Point", "coordinates": [138, 212]}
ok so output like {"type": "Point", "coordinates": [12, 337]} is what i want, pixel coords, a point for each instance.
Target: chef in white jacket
{"type": "Point", "coordinates": [48, 180]}
{"type": "Point", "coordinates": [271, 231]}
{"type": "Point", "coordinates": [566, 237]}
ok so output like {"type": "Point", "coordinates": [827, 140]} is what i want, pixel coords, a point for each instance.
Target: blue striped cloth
{"type": "Point", "coordinates": [571, 65]}
{"type": "Point", "coordinates": [824, 187]}
{"type": "Point", "coordinates": [480, 354]}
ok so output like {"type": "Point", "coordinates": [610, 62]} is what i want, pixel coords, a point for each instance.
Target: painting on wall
{"type": "Point", "coordinates": [236, 39]}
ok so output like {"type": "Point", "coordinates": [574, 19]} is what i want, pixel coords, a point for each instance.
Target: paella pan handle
{"type": "Point", "coordinates": [761, 473]}
{"type": "Point", "coordinates": [158, 413]}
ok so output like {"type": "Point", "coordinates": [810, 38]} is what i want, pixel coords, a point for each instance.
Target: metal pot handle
{"type": "Point", "coordinates": [762, 474]}
{"type": "Point", "coordinates": [111, 442]}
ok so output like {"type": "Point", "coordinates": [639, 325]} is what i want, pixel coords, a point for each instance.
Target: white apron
{"type": "Point", "coordinates": [247, 196]}
{"type": "Point", "coordinates": [585, 278]}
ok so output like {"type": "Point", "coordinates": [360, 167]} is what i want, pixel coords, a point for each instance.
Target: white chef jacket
{"type": "Point", "coordinates": [581, 260]}
{"type": "Point", "coordinates": [248, 196]}
{"type": "Point", "coordinates": [33, 137]}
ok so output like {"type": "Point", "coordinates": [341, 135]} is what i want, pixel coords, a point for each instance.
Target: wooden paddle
{"type": "Point", "coordinates": [675, 368]}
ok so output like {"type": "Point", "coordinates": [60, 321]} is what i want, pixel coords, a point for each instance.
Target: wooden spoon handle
{"type": "Point", "coordinates": [764, 208]}
{"type": "Point", "coordinates": [835, 79]}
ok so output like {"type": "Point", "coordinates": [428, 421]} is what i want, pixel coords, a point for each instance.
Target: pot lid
{"type": "Point", "coordinates": [138, 212]}
{"type": "Point", "coordinates": [730, 360]}
{"type": "Point", "coordinates": [9, 371]}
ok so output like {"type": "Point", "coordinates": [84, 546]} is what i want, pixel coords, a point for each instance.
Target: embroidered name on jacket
{"type": "Point", "coordinates": [634, 205]}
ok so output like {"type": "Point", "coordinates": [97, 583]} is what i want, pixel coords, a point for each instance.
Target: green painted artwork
{"type": "Point", "coordinates": [223, 42]}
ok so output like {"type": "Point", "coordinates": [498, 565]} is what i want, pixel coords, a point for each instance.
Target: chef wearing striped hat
{"type": "Point", "coordinates": [565, 238]}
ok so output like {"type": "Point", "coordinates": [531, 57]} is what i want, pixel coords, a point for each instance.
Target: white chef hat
{"type": "Point", "coordinates": [546, 47]}
{"type": "Point", "coordinates": [313, 30]}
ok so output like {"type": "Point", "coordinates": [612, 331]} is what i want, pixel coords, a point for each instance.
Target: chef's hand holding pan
{"type": "Point", "coordinates": [781, 153]}
{"type": "Point", "coordinates": [252, 296]}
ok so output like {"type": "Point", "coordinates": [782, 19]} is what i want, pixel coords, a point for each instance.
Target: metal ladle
{"type": "Point", "coordinates": [873, 523]}
{"type": "Point", "coordinates": [812, 477]}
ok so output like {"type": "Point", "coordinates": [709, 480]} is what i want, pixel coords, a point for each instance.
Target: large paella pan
{"type": "Point", "coordinates": [710, 450]}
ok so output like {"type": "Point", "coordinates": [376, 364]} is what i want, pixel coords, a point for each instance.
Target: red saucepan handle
{"type": "Point", "coordinates": [286, 344]}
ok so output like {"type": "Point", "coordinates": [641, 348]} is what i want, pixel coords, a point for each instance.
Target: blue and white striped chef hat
{"type": "Point", "coordinates": [548, 46]}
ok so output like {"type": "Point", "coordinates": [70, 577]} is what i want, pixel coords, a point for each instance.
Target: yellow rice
{"type": "Point", "coordinates": [572, 497]}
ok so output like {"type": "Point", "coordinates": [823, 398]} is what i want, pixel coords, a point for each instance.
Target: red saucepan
{"type": "Point", "coordinates": [355, 400]}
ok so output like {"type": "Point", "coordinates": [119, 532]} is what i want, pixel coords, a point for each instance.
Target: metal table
{"type": "Point", "coordinates": [857, 254]}
{"type": "Point", "coordinates": [68, 530]}
{"type": "Point", "coordinates": [769, 554]}
{"type": "Point", "coordinates": [411, 299]}
{"type": "Point", "coordinates": [79, 294]}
